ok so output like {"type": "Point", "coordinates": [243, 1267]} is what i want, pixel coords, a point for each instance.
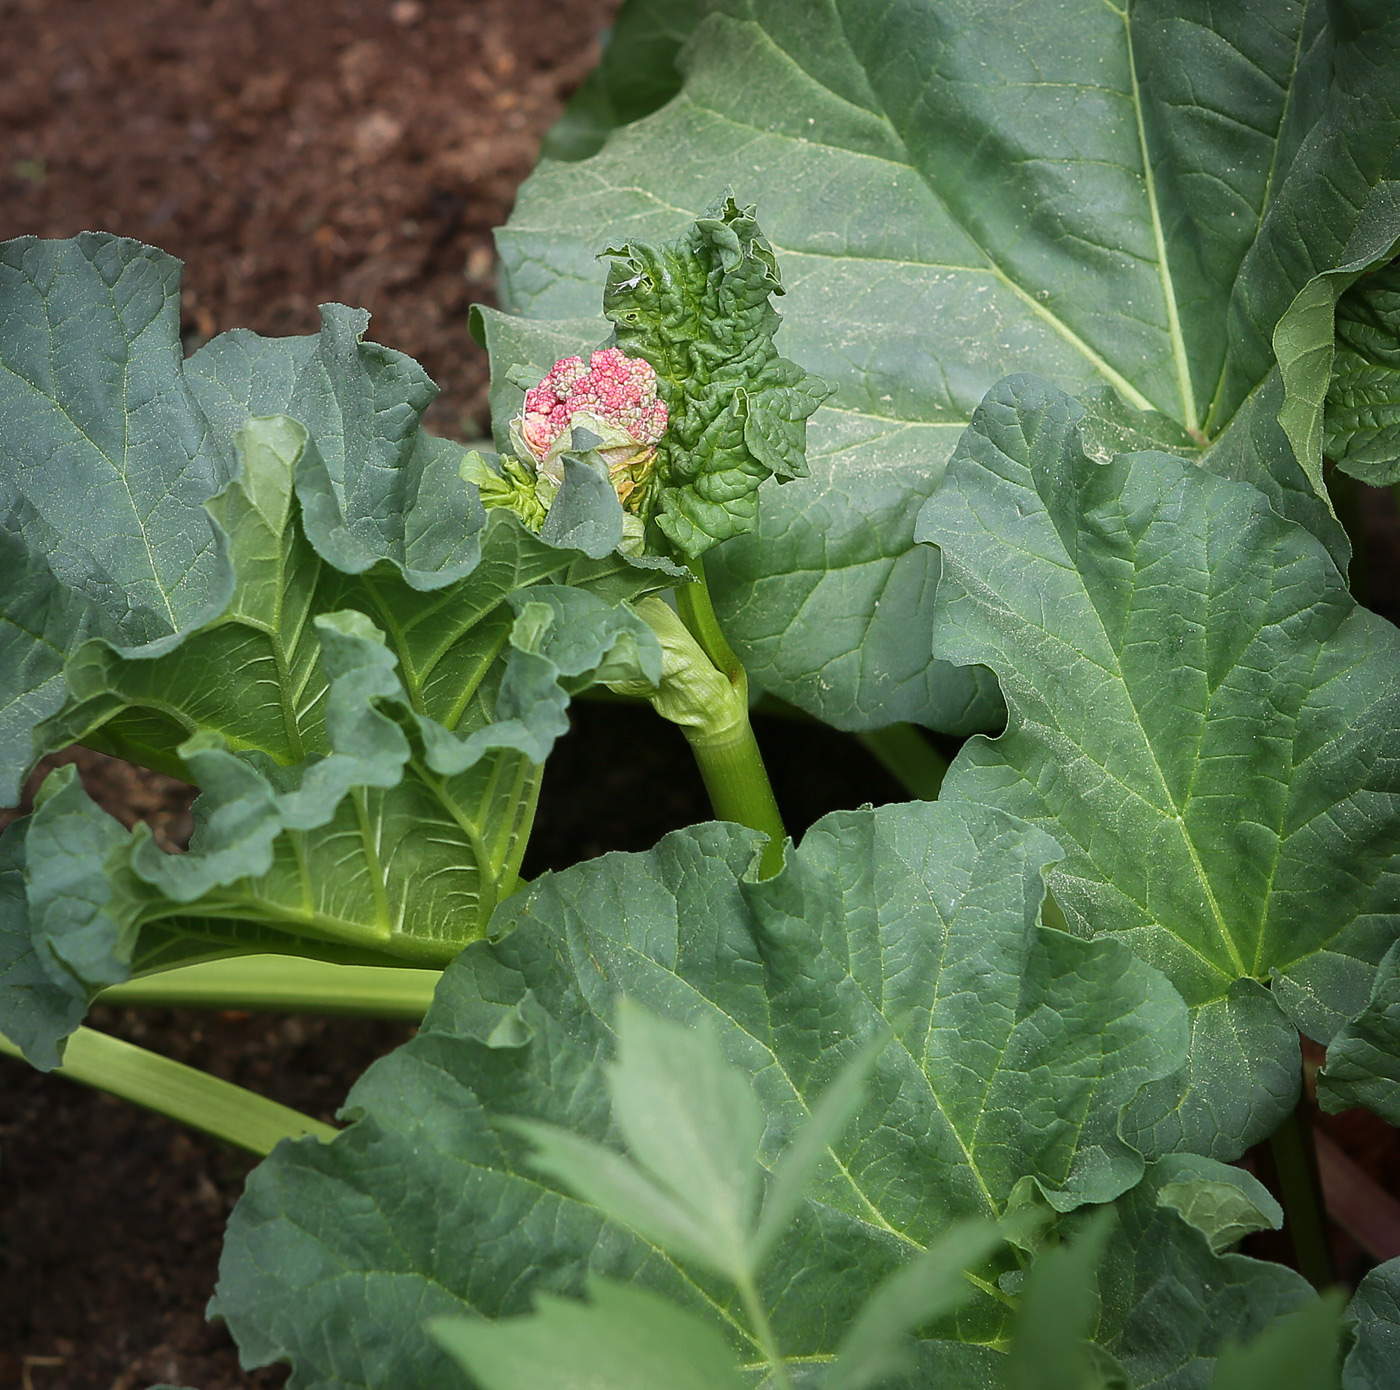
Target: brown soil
{"type": "Point", "coordinates": [295, 151]}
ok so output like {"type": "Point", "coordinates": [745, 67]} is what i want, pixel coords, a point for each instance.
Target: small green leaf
{"type": "Point", "coordinates": [931, 1286]}
{"type": "Point", "coordinates": [1058, 1309]}
{"type": "Point", "coordinates": [623, 1191]}
{"type": "Point", "coordinates": [1224, 1204]}
{"type": "Point", "coordinates": [690, 1118]}
{"type": "Point", "coordinates": [1300, 1351]}
{"type": "Point", "coordinates": [624, 1338]}
{"type": "Point", "coordinates": [798, 1163]}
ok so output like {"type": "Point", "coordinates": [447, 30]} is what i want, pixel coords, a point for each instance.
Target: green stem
{"type": "Point", "coordinates": [909, 758]}
{"type": "Point", "coordinates": [722, 740]}
{"type": "Point", "coordinates": [282, 984]}
{"type": "Point", "coordinates": [1300, 1193]}
{"type": "Point", "coordinates": [763, 1331]}
{"type": "Point", "coordinates": [698, 614]}
{"type": "Point", "coordinates": [737, 781]}
{"type": "Point", "coordinates": [184, 1093]}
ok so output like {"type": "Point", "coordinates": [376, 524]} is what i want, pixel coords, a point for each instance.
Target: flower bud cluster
{"type": "Point", "coordinates": [613, 398]}
{"type": "Point", "coordinates": [614, 388]}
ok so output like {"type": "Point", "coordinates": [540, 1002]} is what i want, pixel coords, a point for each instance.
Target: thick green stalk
{"type": "Point", "coordinates": [184, 1093]}
{"type": "Point", "coordinates": [698, 614]}
{"type": "Point", "coordinates": [282, 984]}
{"type": "Point", "coordinates": [737, 781]}
{"type": "Point", "coordinates": [909, 758]}
{"type": "Point", "coordinates": [1300, 1194]}
{"type": "Point", "coordinates": [711, 706]}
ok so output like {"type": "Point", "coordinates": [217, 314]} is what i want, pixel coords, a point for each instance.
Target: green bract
{"type": "Point", "coordinates": [698, 310]}
{"type": "Point", "coordinates": [255, 570]}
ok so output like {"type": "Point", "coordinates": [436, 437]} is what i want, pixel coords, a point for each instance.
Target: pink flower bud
{"type": "Point", "coordinates": [614, 396]}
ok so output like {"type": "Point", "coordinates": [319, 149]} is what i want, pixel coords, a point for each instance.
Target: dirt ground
{"type": "Point", "coordinates": [292, 152]}
{"type": "Point", "coordinates": [295, 151]}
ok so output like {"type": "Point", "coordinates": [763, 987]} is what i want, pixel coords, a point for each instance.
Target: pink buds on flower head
{"type": "Point", "coordinates": [614, 390]}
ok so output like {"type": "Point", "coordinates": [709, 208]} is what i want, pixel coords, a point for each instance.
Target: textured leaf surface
{"type": "Point", "coordinates": [367, 710]}
{"type": "Point", "coordinates": [1015, 1049]}
{"type": "Point", "coordinates": [1363, 1059]}
{"type": "Point", "coordinates": [1168, 1305]}
{"type": "Point", "coordinates": [1124, 196]}
{"type": "Point", "coordinates": [1376, 1309]}
{"type": "Point", "coordinates": [1204, 720]}
{"type": "Point", "coordinates": [1362, 425]}
{"type": "Point", "coordinates": [105, 461]}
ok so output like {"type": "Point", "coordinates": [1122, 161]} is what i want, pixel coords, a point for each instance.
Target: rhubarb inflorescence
{"type": "Point", "coordinates": [690, 409]}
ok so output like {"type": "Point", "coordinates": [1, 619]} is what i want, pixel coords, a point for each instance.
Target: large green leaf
{"type": "Point", "coordinates": [1125, 196]}
{"type": "Point", "coordinates": [1015, 1050]}
{"type": "Point", "coordinates": [105, 462]}
{"type": "Point", "coordinates": [1205, 721]}
{"type": "Point", "coordinates": [366, 712]}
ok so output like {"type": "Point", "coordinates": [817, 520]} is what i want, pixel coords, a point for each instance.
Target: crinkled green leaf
{"type": "Point", "coordinates": [1224, 1204]}
{"type": "Point", "coordinates": [1375, 1312]}
{"type": "Point", "coordinates": [624, 1338]}
{"type": "Point", "coordinates": [1201, 716]}
{"type": "Point", "coordinates": [1131, 196]}
{"type": "Point", "coordinates": [105, 462]}
{"type": "Point", "coordinates": [1361, 429]}
{"type": "Point", "coordinates": [1363, 1059]}
{"type": "Point", "coordinates": [1015, 1050]}
{"type": "Point", "coordinates": [367, 712]}
{"type": "Point", "coordinates": [636, 75]}
{"type": "Point", "coordinates": [376, 487]}
{"type": "Point", "coordinates": [1168, 1305]}
{"type": "Point", "coordinates": [699, 310]}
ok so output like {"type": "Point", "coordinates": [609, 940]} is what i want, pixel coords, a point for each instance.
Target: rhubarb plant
{"type": "Point", "coordinates": [1090, 305]}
